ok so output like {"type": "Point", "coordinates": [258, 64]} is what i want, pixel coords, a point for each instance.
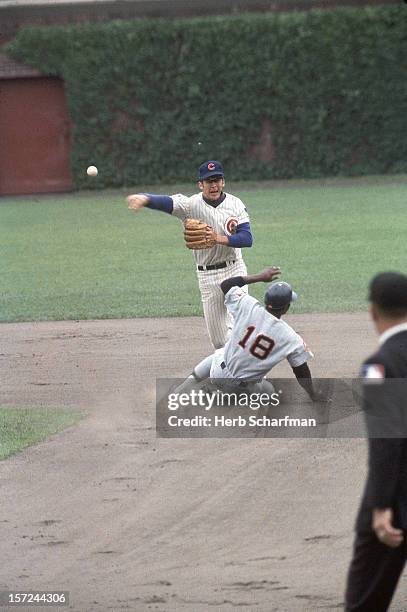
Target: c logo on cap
{"type": "Point", "coordinates": [211, 166]}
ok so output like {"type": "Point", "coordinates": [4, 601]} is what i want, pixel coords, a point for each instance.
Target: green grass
{"type": "Point", "coordinates": [86, 256]}
{"type": "Point", "coordinates": [22, 427]}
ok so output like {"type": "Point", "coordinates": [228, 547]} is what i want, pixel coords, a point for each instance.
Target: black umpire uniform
{"type": "Point", "coordinates": [376, 567]}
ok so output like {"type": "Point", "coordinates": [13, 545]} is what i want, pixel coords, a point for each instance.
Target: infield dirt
{"type": "Point", "coordinates": [125, 521]}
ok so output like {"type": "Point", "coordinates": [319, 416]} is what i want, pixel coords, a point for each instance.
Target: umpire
{"type": "Point", "coordinates": [380, 547]}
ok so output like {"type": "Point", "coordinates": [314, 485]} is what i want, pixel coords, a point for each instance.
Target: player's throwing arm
{"type": "Point", "coordinates": [216, 228]}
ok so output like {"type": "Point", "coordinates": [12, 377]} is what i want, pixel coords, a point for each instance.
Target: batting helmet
{"type": "Point", "coordinates": [278, 295]}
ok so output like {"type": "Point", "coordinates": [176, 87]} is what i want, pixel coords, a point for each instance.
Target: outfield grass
{"type": "Point", "coordinates": [86, 256]}
{"type": "Point", "coordinates": [22, 427]}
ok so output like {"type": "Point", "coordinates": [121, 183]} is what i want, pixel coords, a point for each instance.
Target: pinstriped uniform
{"type": "Point", "coordinates": [223, 219]}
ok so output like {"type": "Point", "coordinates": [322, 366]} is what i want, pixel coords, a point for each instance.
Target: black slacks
{"type": "Point", "coordinates": [373, 574]}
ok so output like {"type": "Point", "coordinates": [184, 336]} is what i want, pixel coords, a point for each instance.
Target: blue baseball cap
{"type": "Point", "coordinates": [210, 168]}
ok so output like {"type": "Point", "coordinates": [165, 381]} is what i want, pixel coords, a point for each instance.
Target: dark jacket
{"type": "Point", "coordinates": [385, 406]}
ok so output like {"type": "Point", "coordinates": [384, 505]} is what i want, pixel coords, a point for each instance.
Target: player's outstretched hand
{"type": "Point", "coordinates": [269, 274]}
{"type": "Point", "coordinates": [136, 201]}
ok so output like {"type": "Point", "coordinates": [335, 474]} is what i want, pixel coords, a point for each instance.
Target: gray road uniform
{"type": "Point", "coordinates": [259, 341]}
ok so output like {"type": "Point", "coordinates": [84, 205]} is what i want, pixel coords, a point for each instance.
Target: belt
{"type": "Point", "coordinates": [216, 266]}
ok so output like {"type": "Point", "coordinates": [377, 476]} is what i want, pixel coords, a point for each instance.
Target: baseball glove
{"type": "Point", "coordinates": [198, 235]}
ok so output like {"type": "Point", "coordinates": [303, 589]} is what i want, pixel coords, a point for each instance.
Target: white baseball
{"type": "Point", "coordinates": [92, 171]}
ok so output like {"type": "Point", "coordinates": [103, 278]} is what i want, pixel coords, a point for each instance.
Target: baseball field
{"type": "Point", "coordinates": [96, 303]}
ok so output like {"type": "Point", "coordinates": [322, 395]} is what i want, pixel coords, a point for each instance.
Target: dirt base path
{"type": "Point", "coordinates": [125, 521]}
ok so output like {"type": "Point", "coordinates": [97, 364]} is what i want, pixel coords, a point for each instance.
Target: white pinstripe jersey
{"type": "Point", "coordinates": [229, 213]}
{"type": "Point", "coordinates": [259, 340]}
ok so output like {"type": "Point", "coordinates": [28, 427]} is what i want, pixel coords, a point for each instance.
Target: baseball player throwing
{"type": "Point", "coordinates": [259, 339]}
{"type": "Point", "coordinates": [216, 242]}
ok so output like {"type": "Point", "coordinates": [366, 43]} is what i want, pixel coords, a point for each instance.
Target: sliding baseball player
{"type": "Point", "coordinates": [217, 227]}
{"type": "Point", "coordinates": [260, 339]}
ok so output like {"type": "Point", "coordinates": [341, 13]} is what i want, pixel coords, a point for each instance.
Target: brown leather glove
{"type": "Point", "coordinates": [198, 235]}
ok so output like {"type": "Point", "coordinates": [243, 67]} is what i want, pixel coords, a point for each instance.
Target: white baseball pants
{"type": "Point", "coordinates": [218, 320]}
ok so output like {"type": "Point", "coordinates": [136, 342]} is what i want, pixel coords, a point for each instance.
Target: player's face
{"type": "Point", "coordinates": [212, 187]}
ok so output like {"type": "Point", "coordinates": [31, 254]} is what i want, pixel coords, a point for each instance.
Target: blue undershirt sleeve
{"type": "Point", "coordinates": [243, 236]}
{"type": "Point", "coordinates": [160, 202]}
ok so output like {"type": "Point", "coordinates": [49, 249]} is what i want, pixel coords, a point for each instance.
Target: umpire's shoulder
{"type": "Point", "coordinates": [374, 368]}
{"type": "Point", "coordinates": [393, 355]}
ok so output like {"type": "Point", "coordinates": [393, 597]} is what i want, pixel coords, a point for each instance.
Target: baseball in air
{"type": "Point", "coordinates": [92, 171]}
